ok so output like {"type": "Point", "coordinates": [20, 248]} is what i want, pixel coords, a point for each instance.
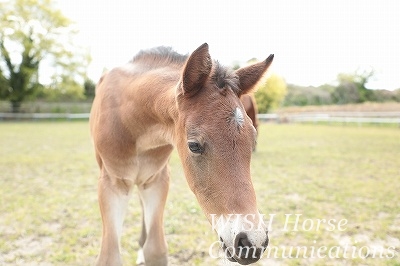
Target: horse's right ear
{"type": "Point", "coordinates": [196, 71]}
{"type": "Point", "coordinates": [250, 75]}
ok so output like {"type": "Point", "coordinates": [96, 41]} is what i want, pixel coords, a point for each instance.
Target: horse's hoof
{"type": "Point", "coordinates": [140, 258]}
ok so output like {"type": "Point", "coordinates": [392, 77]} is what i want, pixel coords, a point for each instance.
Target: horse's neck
{"type": "Point", "coordinates": [163, 106]}
{"type": "Point", "coordinates": [145, 99]}
{"type": "Point", "coordinates": [151, 100]}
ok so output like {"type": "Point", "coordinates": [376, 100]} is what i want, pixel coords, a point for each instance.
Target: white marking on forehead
{"type": "Point", "coordinates": [238, 116]}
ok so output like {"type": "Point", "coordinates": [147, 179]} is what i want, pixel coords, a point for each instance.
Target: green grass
{"type": "Point", "coordinates": [49, 213]}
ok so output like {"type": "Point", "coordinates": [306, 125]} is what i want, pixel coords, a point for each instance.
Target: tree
{"type": "Point", "coordinates": [90, 88]}
{"type": "Point", "coordinates": [34, 32]}
{"type": "Point", "coordinates": [271, 93]}
{"type": "Point", "coordinates": [352, 87]}
{"type": "Point", "coordinates": [346, 92]}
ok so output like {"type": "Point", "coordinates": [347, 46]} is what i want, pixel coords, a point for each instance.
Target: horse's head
{"type": "Point", "coordinates": [215, 140]}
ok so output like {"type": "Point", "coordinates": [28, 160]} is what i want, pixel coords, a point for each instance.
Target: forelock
{"type": "Point", "coordinates": [225, 78]}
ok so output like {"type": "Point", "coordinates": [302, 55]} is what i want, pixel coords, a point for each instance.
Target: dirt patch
{"type": "Point", "coordinates": [27, 247]}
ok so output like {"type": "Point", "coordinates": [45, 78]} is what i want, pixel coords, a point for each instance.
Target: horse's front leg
{"type": "Point", "coordinates": [113, 196]}
{"type": "Point", "coordinates": [153, 197]}
{"type": "Point", "coordinates": [142, 239]}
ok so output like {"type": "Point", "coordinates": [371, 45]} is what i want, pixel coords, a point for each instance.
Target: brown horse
{"type": "Point", "coordinates": [160, 100]}
{"type": "Point", "coordinates": [250, 106]}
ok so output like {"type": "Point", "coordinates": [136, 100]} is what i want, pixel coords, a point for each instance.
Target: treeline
{"type": "Point", "coordinates": [57, 93]}
{"type": "Point", "coordinates": [328, 94]}
{"type": "Point", "coordinates": [350, 88]}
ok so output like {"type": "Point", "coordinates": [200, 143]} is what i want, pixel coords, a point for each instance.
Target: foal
{"type": "Point", "coordinates": [161, 100]}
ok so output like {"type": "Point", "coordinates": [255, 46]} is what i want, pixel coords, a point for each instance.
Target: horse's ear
{"type": "Point", "coordinates": [250, 75]}
{"type": "Point", "coordinates": [196, 70]}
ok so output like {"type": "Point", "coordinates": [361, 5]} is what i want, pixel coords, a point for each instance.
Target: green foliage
{"type": "Point", "coordinates": [71, 91]}
{"type": "Point", "coordinates": [352, 87]}
{"type": "Point", "coordinates": [302, 96]}
{"type": "Point", "coordinates": [33, 31]}
{"type": "Point", "coordinates": [346, 92]}
{"type": "Point", "coordinates": [271, 93]}
{"type": "Point", "coordinates": [386, 96]}
{"type": "Point", "coordinates": [90, 88]}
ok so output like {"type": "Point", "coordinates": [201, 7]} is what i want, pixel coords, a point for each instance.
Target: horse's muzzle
{"type": "Point", "coordinates": [243, 251]}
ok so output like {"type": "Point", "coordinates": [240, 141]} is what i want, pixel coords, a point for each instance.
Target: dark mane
{"type": "Point", "coordinates": [222, 76]}
{"type": "Point", "coordinates": [225, 78]}
{"type": "Point", "coordinates": [159, 56]}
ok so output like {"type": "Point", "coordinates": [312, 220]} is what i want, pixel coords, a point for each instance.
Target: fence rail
{"type": "Point", "coordinates": [341, 117]}
{"type": "Point", "coordinates": [37, 116]}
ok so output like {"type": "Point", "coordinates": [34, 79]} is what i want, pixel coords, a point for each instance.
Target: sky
{"type": "Point", "coordinates": [313, 41]}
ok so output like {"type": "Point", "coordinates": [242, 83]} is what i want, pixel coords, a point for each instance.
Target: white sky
{"type": "Point", "coordinates": [312, 41]}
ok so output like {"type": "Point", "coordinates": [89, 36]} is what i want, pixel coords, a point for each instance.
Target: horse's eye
{"type": "Point", "coordinates": [195, 147]}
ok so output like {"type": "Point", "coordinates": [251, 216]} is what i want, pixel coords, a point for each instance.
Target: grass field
{"type": "Point", "coordinates": [348, 176]}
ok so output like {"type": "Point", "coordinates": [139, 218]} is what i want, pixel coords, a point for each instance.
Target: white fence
{"type": "Point", "coordinates": [37, 116]}
{"type": "Point", "coordinates": [338, 117]}
{"type": "Point", "coordinates": [341, 117]}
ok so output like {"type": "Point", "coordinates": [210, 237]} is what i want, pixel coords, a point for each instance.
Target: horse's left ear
{"type": "Point", "coordinates": [250, 75]}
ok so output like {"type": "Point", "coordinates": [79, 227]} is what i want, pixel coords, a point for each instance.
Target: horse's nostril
{"type": "Point", "coordinates": [242, 240]}
{"type": "Point", "coordinates": [245, 251]}
{"type": "Point", "coordinates": [242, 245]}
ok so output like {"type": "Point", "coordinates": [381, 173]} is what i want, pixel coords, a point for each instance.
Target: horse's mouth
{"type": "Point", "coordinates": [243, 261]}
{"type": "Point", "coordinates": [228, 254]}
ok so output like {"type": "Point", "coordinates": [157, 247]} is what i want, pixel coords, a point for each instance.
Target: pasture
{"type": "Point", "coordinates": [341, 184]}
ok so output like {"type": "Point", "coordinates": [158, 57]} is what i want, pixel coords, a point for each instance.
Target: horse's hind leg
{"type": "Point", "coordinates": [153, 197]}
{"type": "Point", "coordinates": [113, 200]}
